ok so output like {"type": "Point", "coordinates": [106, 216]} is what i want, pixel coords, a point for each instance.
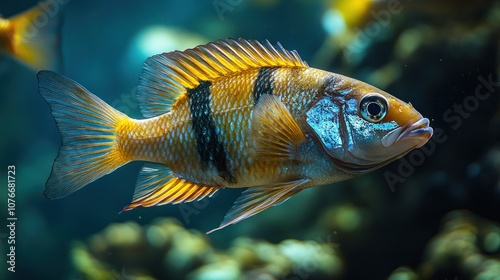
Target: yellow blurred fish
{"type": "Point", "coordinates": [33, 36]}
{"type": "Point", "coordinates": [353, 12]}
{"type": "Point", "coordinates": [230, 114]}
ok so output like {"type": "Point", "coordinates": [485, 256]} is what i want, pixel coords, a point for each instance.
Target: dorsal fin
{"type": "Point", "coordinates": [167, 76]}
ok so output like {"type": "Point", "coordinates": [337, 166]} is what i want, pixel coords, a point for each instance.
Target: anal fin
{"type": "Point", "coordinates": [275, 132]}
{"type": "Point", "coordinates": [257, 199]}
{"type": "Point", "coordinates": [158, 186]}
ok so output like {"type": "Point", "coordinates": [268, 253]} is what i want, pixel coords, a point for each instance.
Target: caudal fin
{"type": "Point", "coordinates": [88, 129]}
{"type": "Point", "coordinates": [36, 36]}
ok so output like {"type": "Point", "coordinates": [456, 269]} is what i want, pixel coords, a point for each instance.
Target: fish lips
{"type": "Point", "coordinates": [419, 132]}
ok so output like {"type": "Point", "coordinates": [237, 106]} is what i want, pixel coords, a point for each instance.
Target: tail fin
{"type": "Point", "coordinates": [36, 37]}
{"type": "Point", "coordinates": [88, 129]}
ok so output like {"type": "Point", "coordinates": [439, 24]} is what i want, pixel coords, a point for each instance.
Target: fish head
{"type": "Point", "coordinates": [362, 128]}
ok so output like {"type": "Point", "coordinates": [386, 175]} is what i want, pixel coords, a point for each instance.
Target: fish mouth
{"type": "Point", "coordinates": [419, 132]}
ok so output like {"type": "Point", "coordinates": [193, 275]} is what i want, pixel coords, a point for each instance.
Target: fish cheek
{"type": "Point", "coordinates": [324, 121]}
{"type": "Point", "coordinates": [366, 138]}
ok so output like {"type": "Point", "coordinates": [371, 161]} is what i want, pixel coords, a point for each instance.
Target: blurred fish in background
{"type": "Point", "coordinates": [33, 37]}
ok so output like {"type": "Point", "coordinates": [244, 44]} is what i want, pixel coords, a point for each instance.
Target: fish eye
{"type": "Point", "coordinates": [373, 107]}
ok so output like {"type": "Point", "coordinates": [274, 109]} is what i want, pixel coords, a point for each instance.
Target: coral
{"type": "Point", "coordinates": [467, 243]}
{"type": "Point", "coordinates": [467, 247]}
{"type": "Point", "coordinates": [403, 273]}
{"type": "Point", "coordinates": [166, 250]}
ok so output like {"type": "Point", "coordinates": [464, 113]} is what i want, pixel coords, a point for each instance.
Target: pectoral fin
{"type": "Point", "coordinates": [257, 199]}
{"type": "Point", "coordinates": [276, 134]}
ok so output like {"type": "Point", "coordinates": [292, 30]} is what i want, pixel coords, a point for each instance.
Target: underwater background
{"type": "Point", "coordinates": [434, 214]}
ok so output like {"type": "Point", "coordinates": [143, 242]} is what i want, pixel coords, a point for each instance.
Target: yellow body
{"type": "Point", "coordinates": [145, 139]}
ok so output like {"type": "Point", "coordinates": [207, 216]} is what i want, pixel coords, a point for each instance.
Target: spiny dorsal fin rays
{"type": "Point", "coordinates": [167, 76]}
{"type": "Point", "coordinates": [257, 199]}
{"type": "Point", "coordinates": [157, 185]}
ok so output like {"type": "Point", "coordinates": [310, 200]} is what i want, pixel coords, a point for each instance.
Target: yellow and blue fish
{"type": "Point", "coordinates": [33, 37]}
{"type": "Point", "coordinates": [230, 114]}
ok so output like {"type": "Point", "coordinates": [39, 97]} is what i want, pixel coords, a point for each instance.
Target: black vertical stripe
{"type": "Point", "coordinates": [210, 148]}
{"type": "Point", "coordinates": [264, 83]}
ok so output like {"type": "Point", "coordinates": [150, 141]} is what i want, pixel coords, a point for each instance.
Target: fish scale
{"type": "Point", "coordinates": [232, 115]}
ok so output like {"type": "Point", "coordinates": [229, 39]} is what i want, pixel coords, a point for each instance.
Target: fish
{"type": "Point", "coordinates": [233, 113]}
{"type": "Point", "coordinates": [33, 37]}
